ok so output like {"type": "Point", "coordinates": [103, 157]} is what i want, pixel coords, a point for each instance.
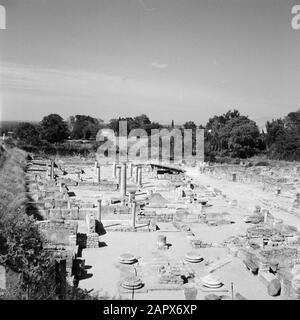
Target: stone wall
{"type": "Point", "coordinates": [266, 176]}
{"type": "Point", "coordinates": [167, 217]}
{"type": "Point", "coordinates": [75, 213]}
{"type": "Point", "coordinates": [58, 231]}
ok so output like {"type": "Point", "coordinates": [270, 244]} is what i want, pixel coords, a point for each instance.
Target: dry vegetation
{"type": "Point", "coordinates": [31, 269]}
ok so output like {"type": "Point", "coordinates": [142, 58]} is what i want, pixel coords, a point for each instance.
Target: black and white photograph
{"type": "Point", "coordinates": [149, 151]}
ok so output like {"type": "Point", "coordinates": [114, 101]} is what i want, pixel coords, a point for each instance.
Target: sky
{"type": "Point", "coordinates": [170, 59]}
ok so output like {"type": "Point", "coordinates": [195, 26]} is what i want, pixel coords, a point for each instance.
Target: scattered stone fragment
{"type": "Point", "coordinates": [212, 296]}
{"type": "Point", "coordinates": [127, 258]}
{"type": "Point", "coordinates": [211, 281]}
{"type": "Point", "coordinates": [193, 257]}
{"type": "Point", "coordinates": [271, 282]}
{"type": "Point", "coordinates": [132, 283]}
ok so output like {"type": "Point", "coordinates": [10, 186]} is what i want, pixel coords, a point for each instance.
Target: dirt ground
{"type": "Point", "coordinates": [105, 272]}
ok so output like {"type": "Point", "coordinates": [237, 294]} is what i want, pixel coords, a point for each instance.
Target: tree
{"type": "Point", "coordinates": [114, 124]}
{"type": "Point", "coordinates": [233, 134]}
{"type": "Point", "coordinates": [243, 139]}
{"type": "Point", "coordinates": [274, 128]}
{"type": "Point", "coordinates": [189, 125]}
{"type": "Point", "coordinates": [84, 127]}
{"type": "Point", "coordinates": [215, 135]}
{"type": "Point", "coordinates": [139, 122]}
{"type": "Point", "coordinates": [285, 147]}
{"type": "Point", "coordinates": [54, 128]}
{"type": "Point", "coordinates": [28, 133]}
{"type": "Point", "coordinates": [71, 123]}
{"type": "Point", "coordinates": [292, 122]}
{"type": "Point", "coordinates": [283, 137]}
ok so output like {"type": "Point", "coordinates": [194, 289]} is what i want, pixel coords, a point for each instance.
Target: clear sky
{"type": "Point", "coordinates": [171, 59]}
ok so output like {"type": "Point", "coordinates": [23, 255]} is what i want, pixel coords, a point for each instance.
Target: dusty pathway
{"type": "Point", "coordinates": [250, 195]}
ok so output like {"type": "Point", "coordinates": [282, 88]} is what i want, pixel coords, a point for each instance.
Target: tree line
{"type": "Point", "coordinates": [227, 135]}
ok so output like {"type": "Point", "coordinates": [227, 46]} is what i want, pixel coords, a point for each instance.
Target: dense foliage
{"type": "Point", "coordinates": [28, 133]}
{"type": "Point", "coordinates": [31, 268]}
{"type": "Point", "coordinates": [84, 127]}
{"type": "Point", "coordinates": [283, 137]}
{"type": "Point", "coordinates": [227, 135]}
{"type": "Point", "coordinates": [139, 122]}
{"type": "Point", "coordinates": [21, 249]}
{"type": "Point", "coordinates": [54, 128]}
{"type": "Point", "coordinates": [234, 135]}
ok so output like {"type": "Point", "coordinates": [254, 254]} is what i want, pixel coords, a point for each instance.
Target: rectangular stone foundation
{"type": "Point", "coordinates": [92, 240]}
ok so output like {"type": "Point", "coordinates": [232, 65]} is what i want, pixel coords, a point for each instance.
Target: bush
{"type": "Point", "coordinates": [21, 245]}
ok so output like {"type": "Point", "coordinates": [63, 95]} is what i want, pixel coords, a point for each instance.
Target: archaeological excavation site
{"type": "Point", "coordinates": [153, 231]}
{"type": "Point", "coordinates": [149, 157]}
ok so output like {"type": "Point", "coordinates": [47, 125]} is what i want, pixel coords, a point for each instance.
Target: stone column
{"type": "Point", "coordinates": [98, 174]}
{"type": "Point", "coordinates": [234, 177]}
{"type": "Point", "coordinates": [265, 212]}
{"type": "Point", "coordinates": [60, 187]}
{"type": "Point", "coordinates": [133, 211]}
{"type": "Point", "coordinates": [123, 179]}
{"type": "Point", "coordinates": [136, 174]}
{"type": "Point", "coordinates": [96, 164]}
{"type": "Point", "coordinates": [119, 176]}
{"type": "Point", "coordinates": [130, 169]}
{"type": "Point", "coordinates": [99, 210]}
{"type": "Point", "coordinates": [52, 170]}
{"type": "Point", "coordinates": [114, 170]}
{"type": "Point", "coordinates": [140, 176]}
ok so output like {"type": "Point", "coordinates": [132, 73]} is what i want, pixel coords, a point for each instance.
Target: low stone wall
{"type": "Point", "coordinates": [171, 177]}
{"type": "Point", "coordinates": [167, 217]}
{"type": "Point", "coordinates": [92, 240]}
{"type": "Point", "coordinates": [123, 228]}
{"type": "Point", "coordinates": [58, 231]}
{"type": "Point", "coordinates": [267, 177]}
{"type": "Point", "coordinates": [285, 255]}
{"type": "Point", "coordinates": [75, 213]}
